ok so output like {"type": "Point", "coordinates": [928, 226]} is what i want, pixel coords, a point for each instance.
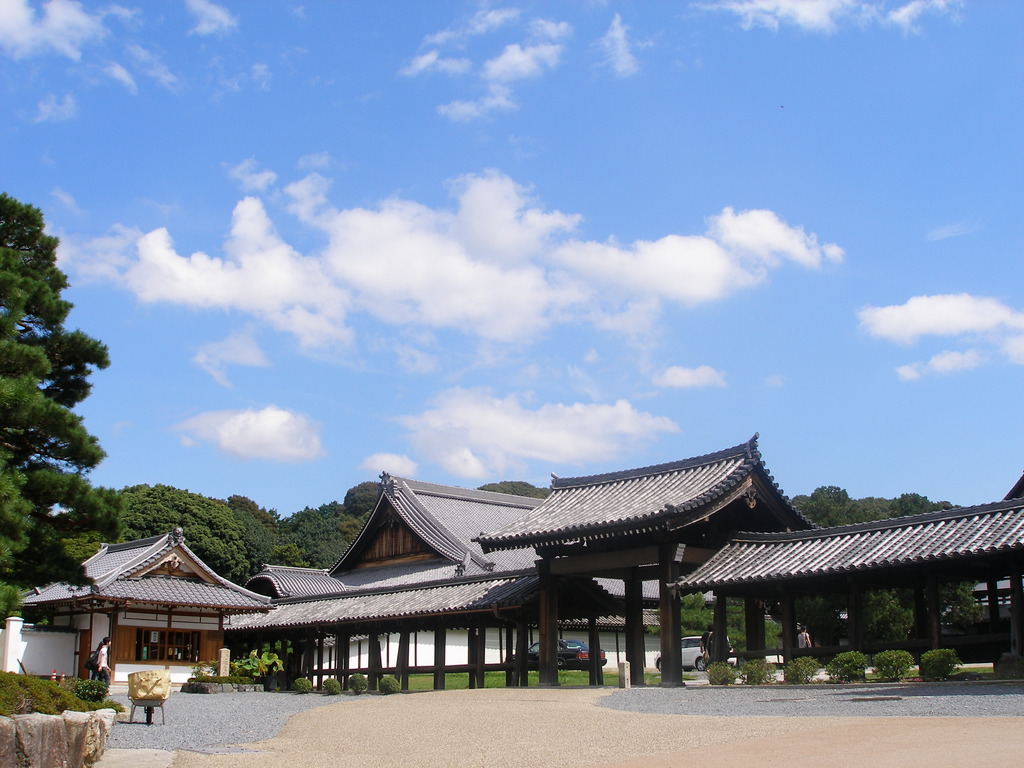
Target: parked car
{"type": "Point", "coordinates": [572, 654]}
{"type": "Point", "coordinates": [692, 658]}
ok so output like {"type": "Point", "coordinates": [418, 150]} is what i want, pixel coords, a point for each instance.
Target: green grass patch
{"type": "Point", "coordinates": [567, 677]}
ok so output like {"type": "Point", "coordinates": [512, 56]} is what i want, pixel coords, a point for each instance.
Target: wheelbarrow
{"type": "Point", "coordinates": [149, 689]}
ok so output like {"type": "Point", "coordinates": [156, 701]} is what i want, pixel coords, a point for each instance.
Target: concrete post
{"type": "Point", "coordinates": [624, 681]}
{"type": "Point", "coordinates": [224, 662]}
{"type": "Point", "coordinates": [13, 647]}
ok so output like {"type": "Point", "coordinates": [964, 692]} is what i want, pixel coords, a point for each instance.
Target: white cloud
{"type": "Point", "coordinates": [482, 22]}
{"type": "Point", "coordinates": [121, 75]}
{"type": "Point", "coordinates": [250, 178]}
{"type": "Point", "coordinates": [211, 19]}
{"type": "Point", "coordinates": [498, 99]}
{"type": "Point", "coordinates": [470, 433]}
{"type": "Point", "coordinates": [413, 360]}
{"type": "Point", "coordinates": [64, 28]}
{"type": "Point", "coordinates": [432, 61]}
{"type": "Point", "coordinates": [315, 161]}
{"type": "Point", "coordinates": [273, 434]}
{"type": "Point", "coordinates": [517, 63]}
{"type": "Point", "coordinates": [973, 318]}
{"type": "Point", "coordinates": [392, 463]}
{"type": "Point", "coordinates": [826, 16]}
{"type": "Point", "coordinates": [690, 378]}
{"type": "Point", "coordinates": [947, 231]}
{"type": "Point", "coordinates": [65, 199]}
{"type": "Point", "coordinates": [54, 110]}
{"type": "Point", "coordinates": [942, 315]}
{"type": "Point", "coordinates": [614, 44]}
{"type": "Point", "coordinates": [498, 266]}
{"type": "Point", "coordinates": [238, 349]}
{"type": "Point", "coordinates": [151, 66]}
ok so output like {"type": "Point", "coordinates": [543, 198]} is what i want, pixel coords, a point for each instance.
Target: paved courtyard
{"type": "Point", "coordinates": [921, 726]}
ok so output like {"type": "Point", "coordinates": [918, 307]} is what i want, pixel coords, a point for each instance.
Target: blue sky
{"type": "Point", "coordinates": [468, 242]}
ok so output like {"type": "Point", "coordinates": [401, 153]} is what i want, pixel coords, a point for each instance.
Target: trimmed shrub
{"type": "Point", "coordinates": [87, 690]}
{"type": "Point", "coordinates": [893, 666]}
{"type": "Point", "coordinates": [389, 685]}
{"type": "Point", "coordinates": [847, 667]}
{"type": "Point", "coordinates": [720, 673]}
{"type": "Point", "coordinates": [357, 683]}
{"type": "Point", "coordinates": [227, 679]}
{"type": "Point", "coordinates": [939, 663]}
{"type": "Point", "coordinates": [757, 672]}
{"type": "Point", "coordinates": [302, 685]}
{"type": "Point", "coordinates": [801, 670]}
{"type": "Point", "coordinates": [108, 704]}
{"type": "Point", "coordinates": [22, 694]}
{"type": "Point", "coordinates": [331, 687]}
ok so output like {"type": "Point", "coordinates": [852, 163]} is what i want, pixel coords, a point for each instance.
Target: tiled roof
{"type": "Point", "coordinates": [635, 500]}
{"type": "Point", "coordinates": [375, 605]}
{"type": "Point", "coordinates": [288, 581]}
{"type": "Point", "coordinates": [943, 536]}
{"type": "Point", "coordinates": [446, 518]}
{"type": "Point", "coordinates": [118, 574]}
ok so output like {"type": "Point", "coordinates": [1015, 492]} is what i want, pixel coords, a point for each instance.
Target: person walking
{"type": "Point", "coordinates": [803, 640]}
{"type": "Point", "coordinates": [102, 671]}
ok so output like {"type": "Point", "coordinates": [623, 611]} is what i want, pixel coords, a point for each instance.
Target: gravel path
{"type": "Point", "coordinates": [208, 721]}
{"type": "Point", "coordinates": [884, 700]}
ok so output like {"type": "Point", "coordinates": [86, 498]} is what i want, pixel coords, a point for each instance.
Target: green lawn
{"type": "Point", "coordinates": [567, 677]}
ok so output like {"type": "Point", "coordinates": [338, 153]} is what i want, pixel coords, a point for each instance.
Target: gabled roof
{"type": "Point", "coordinates": [1017, 491]}
{"type": "Point", "coordinates": [942, 536]}
{"type": "Point", "coordinates": [158, 569]}
{"type": "Point", "coordinates": [291, 581]}
{"type": "Point", "coordinates": [642, 500]}
{"type": "Point", "coordinates": [445, 518]}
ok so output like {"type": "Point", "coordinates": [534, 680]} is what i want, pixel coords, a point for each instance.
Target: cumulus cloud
{"type": "Point", "coordinates": [497, 266]}
{"type": "Point", "coordinates": [64, 28]}
{"type": "Point", "coordinates": [679, 377]}
{"type": "Point", "coordinates": [249, 176]}
{"type": "Point", "coordinates": [54, 110]}
{"type": "Point", "coordinates": [273, 434]}
{"type": "Point", "coordinates": [615, 47]}
{"type": "Point", "coordinates": [392, 463]}
{"type": "Point", "coordinates": [473, 434]}
{"type": "Point", "coordinates": [238, 349]}
{"type": "Point", "coordinates": [969, 318]}
{"type": "Point", "coordinates": [211, 19]}
{"type": "Point", "coordinates": [826, 16]}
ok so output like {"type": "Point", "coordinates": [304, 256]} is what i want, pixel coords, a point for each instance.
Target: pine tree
{"type": "Point", "coordinates": [45, 451]}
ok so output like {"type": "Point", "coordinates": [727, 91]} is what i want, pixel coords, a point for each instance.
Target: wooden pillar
{"type": "Point", "coordinates": [343, 644]}
{"type": "Point", "coordinates": [440, 649]}
{"type": "Point", "coordinates": [992, 590]}
{"type": "Point", "coordinates": [920, 613]}
{"type": "Point", "coordinates": [547, 629]}
{"type": "Point", "coordinates": [375, 667]}
{"type": "Point", "coordinates": [720, 641]}
{"type": "Point", "coordinates": [522, 647]}
{"type": "Point", "coordinates": [510, 672]}
{"type": "Point", "coordinates": [855, 617]}
{"type": "Point", "coordinates": [1016, 612]}
{"type": "Point", "coordinates": [471, 652]}
{"type": "Point", "coordinates": [635, 650]}
{"type": "Point", "coordinates": [402, 670]}
{"type": "Point", "coordinates": [753, 622]}
{"type": "Point", "coordinates": [319, 681]}
{"type": "Point", "coordinates": [668, 606]}
{"type": "Point", "coordinates": [481, 657]}
{"type": "Point", "coordinates": [594, 641]}
{"type": "Point", "coordinates": [934, 612]}
{"type": "Point", "coordinates": [308, 649]}
{"type": "Point", "coordinates": [788, 628]}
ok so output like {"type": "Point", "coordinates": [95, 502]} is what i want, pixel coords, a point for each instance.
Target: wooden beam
{"type": "Point", "coordinates": [615, 561]}
{"type": "Point", "coordinates": [547, 629]}
{"type": "Point", "coordinates": [634, 588]}
{"type": "Point", "coordinates": [669, 607]}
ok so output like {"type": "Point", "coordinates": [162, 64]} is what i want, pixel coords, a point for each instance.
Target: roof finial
{"type": "Point", "coordinates": [177, 536]}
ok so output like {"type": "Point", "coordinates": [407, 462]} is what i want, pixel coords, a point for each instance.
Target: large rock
{"type": "Point", "coordinates": [41, 740]}
{"type": "Point", "coordinates": [8, 751]}
{"type": "Point", "coordinates": [87, 738]}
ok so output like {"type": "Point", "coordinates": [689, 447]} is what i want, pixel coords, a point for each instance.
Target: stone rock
{"type": "Point", "coordinates": [8, 750]}
{"type": "Point", "coordinates": [42, 741]}
{"type": "Point", "coordinates": [87, 737]}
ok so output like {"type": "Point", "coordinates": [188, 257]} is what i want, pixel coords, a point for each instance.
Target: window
{"type": "Point", "coordinates": [166, 645]}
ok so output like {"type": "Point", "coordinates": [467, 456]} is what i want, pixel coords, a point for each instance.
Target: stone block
{"type": "Point", "coordinates": [42, 741]}
{"type": "Point", "coordinates": [8, 750]}
{"type": "Point", "coordinates": [87, 737]}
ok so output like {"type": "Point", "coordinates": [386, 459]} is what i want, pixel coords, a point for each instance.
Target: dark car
{"type": "Point", "coordinates": [572, 654]}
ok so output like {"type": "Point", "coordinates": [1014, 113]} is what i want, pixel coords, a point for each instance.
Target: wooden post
{"type": "Point", "coordinates": [753, 622]}
{"type": "Point", "coordinates": [594, 641]}
{"type": "Point", "coordinates": [788, 628]}
{"type": "Point", "coordinates": [992, 590]}
{"type": "Point", "coordinates": [375, 667]}
{"type": "Point", "coordinates": [522, 647]}
{"type": "Point", "coordinates": [547, 626]}
{"type": "Point", "coordinates": [1016, 612]}
{"type": "Point", "coordinates": [720, 641]}
{"type": "Point", "coordinates": [440, 649]}
{"type": "Point", "coordinates": [668, 606]}
{"type": "Point", "coordinates": [920, 613]}
{"type": "Point", "coordinates": [471, 650]}
{"type": "Point", "coordinates": [934, 612]}
{"type": "Point", "coordinates": [343, 644]}
{"type": "Point", "coordinates": [510, 672]}
{"type": "Point", "coordinates": [855, 617]}
{"type": "Point", "coordinates": [481, 657]}
{"type": "Point", "coordinates": [635, 650]}
{"type": "Point", "coordinates": [318, 681]}
{"type": "Point", "coordinates": [403, 660]}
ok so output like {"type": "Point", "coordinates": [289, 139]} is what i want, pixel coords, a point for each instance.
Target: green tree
{"type": "Point", "coordinates": [45, 451]}
{"type": "Point", "coordinates": [517, 488]}
{"type": "Point", "coordinates": [888, 614]}
{"type": "Point", "coordinates": [959, 607]}
{"type": "Point", "coordinates": [211, 529]}
{"type": "Point", "coordinates": [260, 534]}
{"type": "Point", "coordinates": [360, 500]}
{"type": "Point", "coordinates": [288, 554]}
{"type": "Point", "coordinates": [317, 534]}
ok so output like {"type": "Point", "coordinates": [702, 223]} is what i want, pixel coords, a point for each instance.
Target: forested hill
{"type": "Point", "coordinates": [830, 505]}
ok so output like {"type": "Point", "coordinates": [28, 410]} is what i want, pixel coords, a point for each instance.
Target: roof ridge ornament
{"type": "Point", "coordinates": [177, 536]}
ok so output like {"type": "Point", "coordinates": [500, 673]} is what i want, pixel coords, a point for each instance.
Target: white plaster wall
{"type": "Point", "coordinates": [41, 652]}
